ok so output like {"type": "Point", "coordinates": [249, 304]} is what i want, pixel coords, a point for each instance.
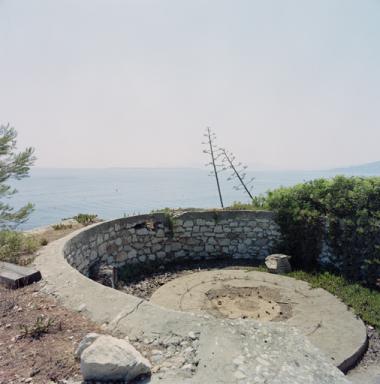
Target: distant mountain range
{"type": "Point", "coordinates": [362, 168]}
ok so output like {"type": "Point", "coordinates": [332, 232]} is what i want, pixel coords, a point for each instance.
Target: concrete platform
{"type": "Point", "coordinates": [320, 316]}
{"type": "Point", "coordinates": [224, 350]}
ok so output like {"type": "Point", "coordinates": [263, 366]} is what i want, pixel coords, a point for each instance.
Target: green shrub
{"type": "Point", "coordinates": [30, 244]}
{"type": "Point", "coordinates": [14, 244]}
{"type": "Point", "coordinates": [41, 326]}
{"type": "Point", "coordinates": [301, 222]}
{"type": "Point", "coordinates": [85, 218]}
{"type": "Point", "coordinates": [44, 241]}
{"type": "Point", "coordinates": [10, 245]}
{"type": "Point", "coordinates": [344, 211]}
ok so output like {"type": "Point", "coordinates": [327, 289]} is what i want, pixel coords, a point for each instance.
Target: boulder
{"type": "Point", "coordinates": [278, 263]}
{"type": "Point", "coordinates": [85, 342]}
{"type": "Point", "coordinates": [108, 358]}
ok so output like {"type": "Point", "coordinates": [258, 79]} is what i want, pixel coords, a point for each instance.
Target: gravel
{"type": "Point", "coordinates": [372, 356]}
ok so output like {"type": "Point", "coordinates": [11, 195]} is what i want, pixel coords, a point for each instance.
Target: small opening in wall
{"type": "Point", "coordinates": [149, 224]}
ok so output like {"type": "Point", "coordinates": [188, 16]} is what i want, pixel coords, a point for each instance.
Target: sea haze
{"type": "Point", "coordinates": [112, 193]}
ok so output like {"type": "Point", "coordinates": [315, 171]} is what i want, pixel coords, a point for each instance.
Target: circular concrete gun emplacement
{"type": "Point", "coordinates": [249, 294]}
{"type": "Point", "coordinates": [222, 326]}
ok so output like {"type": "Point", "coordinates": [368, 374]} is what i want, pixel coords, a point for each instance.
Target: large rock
{"type": "Point", "coordinates": [85, 343]}
{"type": "Point", "coordinates": [109, 358]}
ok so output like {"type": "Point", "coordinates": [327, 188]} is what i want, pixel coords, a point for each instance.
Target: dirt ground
{"type": "Point", "coordinates": [44, 358]}
{"type": "Point", "coordinates": [51, 234]}
{"type": "Point", "coordinates": [37, 335]}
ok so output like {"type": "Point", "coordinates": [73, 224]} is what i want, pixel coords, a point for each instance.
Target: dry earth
{"type": "Point", "coordinates": [25, 358]}
{"type": "Point", "coordinates": [47, 357]}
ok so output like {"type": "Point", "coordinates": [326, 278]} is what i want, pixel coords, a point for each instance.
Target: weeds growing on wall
{"type": "Point", "coordinates": [345, 211]}
{"type": "Point", "coordinates": [169, 214]}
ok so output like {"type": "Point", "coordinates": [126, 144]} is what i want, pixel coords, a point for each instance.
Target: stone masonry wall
{"type": "Point", "coordinates": [160, 238]}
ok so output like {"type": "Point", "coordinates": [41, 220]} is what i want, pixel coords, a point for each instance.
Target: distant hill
{"type": "Point", "coordinates": [372, 168]}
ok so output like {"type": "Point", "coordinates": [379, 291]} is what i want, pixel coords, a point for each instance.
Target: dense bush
{"type": "Point", "coordinates": [14, 245]}
{"type": "Point", "coordinates": [345, 211]}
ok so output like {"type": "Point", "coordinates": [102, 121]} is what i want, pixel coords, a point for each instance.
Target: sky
{"type": "Point", "coordinates": [286, 84]}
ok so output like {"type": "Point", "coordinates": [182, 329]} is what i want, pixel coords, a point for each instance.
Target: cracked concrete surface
{"type": "Point", "coordinates": [124, 314]}
{"type": "Point", "coordinates": [317, 314]}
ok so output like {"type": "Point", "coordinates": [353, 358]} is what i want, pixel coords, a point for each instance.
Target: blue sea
{"type": "Point", "coordinates": [115, 192]}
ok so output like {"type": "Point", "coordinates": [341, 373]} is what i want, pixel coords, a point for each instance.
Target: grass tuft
{"type": "Point", "coordinates": [41, 326]}
{"type": "Point", "coordinates": [61, 226]}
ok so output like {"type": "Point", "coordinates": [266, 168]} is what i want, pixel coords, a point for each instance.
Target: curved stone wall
{"type": "Point", "coordinates": [162, 238]}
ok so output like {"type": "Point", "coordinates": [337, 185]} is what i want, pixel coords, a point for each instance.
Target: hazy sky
{"type": "Point", "coordinates": [286, 83]}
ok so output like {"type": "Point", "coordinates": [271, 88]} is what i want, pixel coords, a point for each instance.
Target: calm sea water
{"type": "Point", "coordinates": [112, 193]}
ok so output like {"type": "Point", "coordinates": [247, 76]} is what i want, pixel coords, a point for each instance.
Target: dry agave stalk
{"type": "Point", "coordinates": [239, 175]}
{"type": "Point", "coordinates": [215, 154]}
{"type": "Point", "coordinates": [223, 160]}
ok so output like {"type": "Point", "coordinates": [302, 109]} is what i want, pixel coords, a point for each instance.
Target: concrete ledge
{"type": "Point", "coordinates": [226, 214]}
